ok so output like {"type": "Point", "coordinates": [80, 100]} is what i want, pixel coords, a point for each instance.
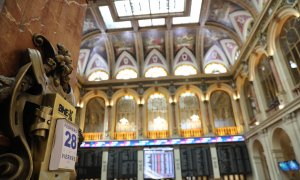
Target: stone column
{"type": "Point", "coordinates": [177, 163]}
{"type": "Point", "coordinates": [140, 122]}
{"type": "Point", "coordinates": [275, 73]}
{"type": "Point", "coordinates": [290, 122]}
{"type": "Point", "coordinates": [140, 164]}
{"type": "Point", "coordinates": [208, 122]}
{"type": "Point", "coordinates": [104, 165]}
{"type": "Point", "coordinates": [240, 116]}
{"type": "Point", "coordinates": [268, 154]}
{"type": "Point", "coordinates": [174, 124]}
{"type": "Point", "coordinates": [215, 161]}
{"type": "Point", "coordinates": [108, 132]}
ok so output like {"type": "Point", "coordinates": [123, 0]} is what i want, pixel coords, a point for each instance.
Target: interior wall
{"type": "Point", "coordinates": [60, 21]}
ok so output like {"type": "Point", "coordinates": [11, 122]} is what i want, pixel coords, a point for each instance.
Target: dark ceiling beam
{"type": "Point", "coordinates": [221, 27]}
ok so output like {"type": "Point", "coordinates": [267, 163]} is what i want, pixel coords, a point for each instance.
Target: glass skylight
{"type": "Point", "coordinates": [185, 70]}
{"type": "Point", "coordinates": [215, 68]}
{"type": "Point", "coordinates": [156, 72]}
{"type": "Point", "coordinates": [194, 14]}
{"type": "Point", "coordinates": [98, 76]}
{"type": "Point", "coordinates": [148, 7]}
{"type": "Point", "coordinates": [109, 22]}
{"type": "Point", "coordinates": [126, 74]}
{"type": "Point", "coordinates": [152, 22]}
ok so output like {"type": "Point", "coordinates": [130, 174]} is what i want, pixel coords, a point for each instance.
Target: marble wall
{"type": "Point", "coordinates": [60, 21]}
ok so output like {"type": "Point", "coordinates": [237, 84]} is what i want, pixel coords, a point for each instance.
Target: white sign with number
{"type": "Point", "coordinates": [64, 152]}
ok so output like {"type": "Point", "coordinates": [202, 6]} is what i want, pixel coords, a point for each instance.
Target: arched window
{"type": "Point", "coordinates": [222, 110]}
{"type": "Point", "coordinates": [250, 99]}
{"type": "Point", "coordinates": [268, 83]}
{"type": "Point", "coordinates": [189, 110]}
{"type": "Point", "coordinates": [126, 114]}
{"type": "Point", "coordinates": [290, 46]}
{"type": "Point", "coordinates": [94, 118]}
{"type": "Point", "coordinates": [157, 112]}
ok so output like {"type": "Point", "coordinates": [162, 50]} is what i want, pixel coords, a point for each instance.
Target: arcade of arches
{"type": "Point", "coordinates": [218, 76]}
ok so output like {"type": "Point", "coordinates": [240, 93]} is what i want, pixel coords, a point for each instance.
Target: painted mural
{"type": "Point", "coordinates": [212, 37]}
{"type": "Point", "coordinates": [184, 38]}
{"type": "Point", "coordinates": [153, 39]}
{"type": "Point", "coordinates": [220, 11]}
{"type": "Point", "coordinates": [89, 23]}
{"type": "Point", "coordinates": [123, 42]}
{"type": "Point", "coordinates": [93, 47]}
{"type": "Point", "coordinates": [96, 45]}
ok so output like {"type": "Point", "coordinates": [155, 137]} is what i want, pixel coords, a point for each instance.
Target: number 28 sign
{"type": "Point", "coordinates": [64, 152]}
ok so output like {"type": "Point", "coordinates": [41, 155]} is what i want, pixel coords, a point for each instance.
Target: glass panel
{"type": "Point", "coordinates": [151, 22]}
{"type": "Point", "coordinates": [125, 118]}
{"type": "Point", "coordinates": [126, 74]}
{"type": "Point", "coordinates": [189, 110]}
{"type": "Point", "coordinates": [222, 110]}
{"type": "Point", "coordinates": [98, 76]}
{"type": "Point", "coordinates": [268, 82]}
{"type": "Point", "coordinates": [215, 68]}
{"type": "Point", "coordinates": [157, 112]}
{"type": "Point", "coordinates": [123, 8]}
{"type": "Point", "coordinates": [94, 117]}
{"type": "Point", "coordinates": [158, 22]}
{"type": "Point", "coordinates": [176, 5]}
{"type": "Point", "coordinates": [156, 72]}
{"type": "Point", "coordinates": [290, 47]}
{"type": "Point", "coordinates": [185, 70]}
{"type": "Point", "coordinates": [194, 14]}
{"type": "Point", "coordinates": [109, 22]}
{"type": "Point", "coordinates": [146, 7]}
{"type": "Point", "coordinates": [145, 22]}
{"type": "Point", "coordinates": [140, 7]}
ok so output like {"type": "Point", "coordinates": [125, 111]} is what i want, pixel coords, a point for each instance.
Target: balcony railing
{"type": "Point", "coordinates": [191, 132]}
{"type": "Point", "coordinates": [223, 131]}
{"type": "Point", "coordinates": [157, 134]}
{"type": "Point", "coordinates": [92, 136]}
{"type": "Point", "coordinates": [124, 135]}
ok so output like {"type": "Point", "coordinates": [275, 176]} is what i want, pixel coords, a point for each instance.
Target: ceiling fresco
{"type": "Point", "coordinates": [184, 37]}
{"type": "Point", "coordinates": [89, 23]}
{"type": "Point", "coordinates": [212, 39]}
{"type": "Point", "coordinates": [153, 39]}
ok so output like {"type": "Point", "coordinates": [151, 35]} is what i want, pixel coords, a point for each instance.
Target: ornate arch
{"type": "Point", "coordinates": [254, 59]}
{"type": "Point", "coordinates": [184, 56]}
{"type": "Point", "coordinates": [276, 25]}
{"type": "Point", "coordinates": [155, 58]}
{"type": "Point", "coordinates": [125, 61]}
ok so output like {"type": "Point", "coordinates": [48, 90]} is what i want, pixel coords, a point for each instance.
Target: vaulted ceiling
{"type": "Point", "coordinates": [125, 39]}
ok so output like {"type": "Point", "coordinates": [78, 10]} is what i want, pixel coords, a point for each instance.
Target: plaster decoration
{"type": "Point", "coordinates": [154, 39]}
{"type": "Point", "coordinates": [82, 61]}
{"type": "Point", "coordinates": [125, 61]}
{"type": "Point", "coordinates": [96, 63]}
{"type": "Point", "coordinates": [242, 23]}
{"type": "Point", "coordinates": [184, 56]}
{"type": "Point", "coordinates": [231, 49]}
{"type": "Point", "coordinates": [215, 55]}
{"type": "Point", "coordinates": [124, 41]}
{"type": "Point", "coordinates": [155, 58]}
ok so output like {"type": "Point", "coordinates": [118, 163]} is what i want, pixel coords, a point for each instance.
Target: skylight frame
{"type": "Point", "coordinates": [130, 16]}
